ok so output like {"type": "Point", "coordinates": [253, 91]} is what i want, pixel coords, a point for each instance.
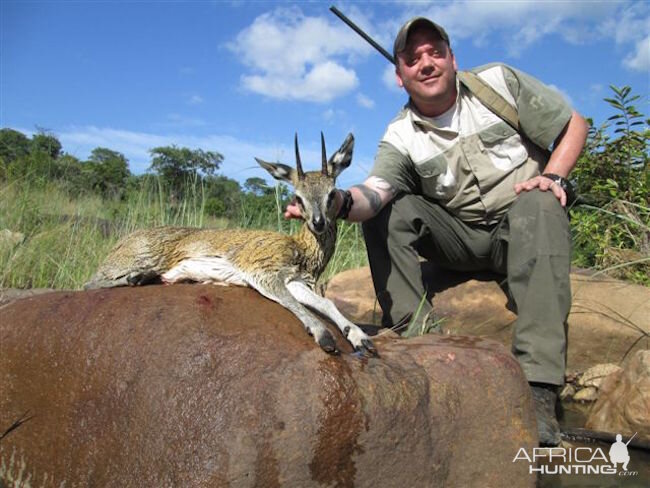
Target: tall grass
{"type": "Point", "coordinates": [62, 240]}
{"type": "Point", "coordinates": [65, 238]}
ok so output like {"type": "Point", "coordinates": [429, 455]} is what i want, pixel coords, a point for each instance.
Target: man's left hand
{"type": "Point", "coordinates": [544, 184]}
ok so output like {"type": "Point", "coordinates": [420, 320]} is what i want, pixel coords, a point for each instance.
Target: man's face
{"type": "Point", "coordinates": [427, 70]}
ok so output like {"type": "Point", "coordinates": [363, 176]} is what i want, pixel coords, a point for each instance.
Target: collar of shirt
{"type": "Point", "coordinates": [446, 124]}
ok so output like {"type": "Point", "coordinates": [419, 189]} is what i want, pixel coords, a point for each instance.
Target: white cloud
{"type": "Point", "coordinates": [388, 78]}
{"type": "Point", "coordinates": [286, 52]}
{"type": "Point", "coordinates": [195, 100]}
{"type": "Point", "coordinates": [80, 141]}
{"type": "Point", "coordinates": [239, 162]}
{"type": "Point", "coordinates": [596, 88]}
{"type": "Point", "coordinates": [639, 60]}
{"type": "Point", "coordinates": [322, 83]}
{"type": "Point", "coordinates": [515, 25]}
{"type": "Point", "coordinates": [332, 116]}
{"type": "Point", "coordinates": [329, 114]}
{"type": "Point", "coordinates": [365, 101]}
{"type": "Point", "coordinates": [295, 57]}
{"type": "Point", "coordinates": [629, 24]}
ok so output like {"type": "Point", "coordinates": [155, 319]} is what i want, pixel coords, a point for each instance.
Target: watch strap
{"type": "Point", "coordinates": [346, 206]}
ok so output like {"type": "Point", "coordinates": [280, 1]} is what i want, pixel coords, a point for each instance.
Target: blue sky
{"type": "Point", "coordinates": [242, 77]}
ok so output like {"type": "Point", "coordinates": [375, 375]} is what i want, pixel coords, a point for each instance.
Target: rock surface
{"type": "Point", "coordinates": [584, 387]}
{"type": "Point", "coordinates": [11, 294]}
{"type": "Point", "coordinates": [623, 406]}
{"type": "Point", "coordinates": [606, 319]}
{"type": "Point", "coordinates": [193, 385]}
{"type": "Point", "coordinates": [586, 394]}
{"type": "Point", "coordinates": [595, 375]}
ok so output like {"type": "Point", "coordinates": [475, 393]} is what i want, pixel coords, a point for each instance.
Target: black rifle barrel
{"type": "Point", "coordinates": [356, 29]}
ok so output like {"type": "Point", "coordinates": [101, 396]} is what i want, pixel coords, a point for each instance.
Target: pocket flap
{"type": "Point", "coordinates": [431, 167]}
{"type": "Point", "coordinates": [495, 133]}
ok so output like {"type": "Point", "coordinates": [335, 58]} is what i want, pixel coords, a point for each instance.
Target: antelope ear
{"type": "Point", "coordinates": [342, 158]}
{"type": "Point", "coordinates": [279, 171]}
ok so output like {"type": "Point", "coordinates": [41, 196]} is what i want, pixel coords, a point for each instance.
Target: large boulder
{"type": "Point", "coordinates": [607, 319]}
{"type": "Point", "coordinates": [196, 385]}
{"type": "Point", "coordinates": [10, 294]}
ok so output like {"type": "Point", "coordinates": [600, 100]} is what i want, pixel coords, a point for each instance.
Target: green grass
{"type": "Point", "coordinates": [63, 238]}
{"type": "Point", "coordinates": [66, 238]}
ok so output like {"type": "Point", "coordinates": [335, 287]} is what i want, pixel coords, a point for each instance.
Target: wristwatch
{"type": "Point", "coordinates": [564, 184]}
{"type": "Point", "coordinates": [344, 211]}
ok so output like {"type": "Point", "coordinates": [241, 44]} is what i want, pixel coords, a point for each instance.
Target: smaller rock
{"type": "Point", "coordinates": [571, 376]}
{"type": "Point", "coordinates": [595, 375]}
{"type": "Point", "coordinates": [587, 394]}
{"type": "Point", "coordinates": [567, 392]}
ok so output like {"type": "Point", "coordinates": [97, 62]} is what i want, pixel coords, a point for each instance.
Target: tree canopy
{"type": "Point", "coordinates": [47, 144]}
{"type": "Point", "coordinates": [107, 171]}
{"type": "Point", "coordinates": [179, 165]}
{"type": "Point", "coordinates": [13, 145]}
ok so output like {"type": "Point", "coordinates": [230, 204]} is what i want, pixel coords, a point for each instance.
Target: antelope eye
{"type": "Point", "coordinates": [330, 198]}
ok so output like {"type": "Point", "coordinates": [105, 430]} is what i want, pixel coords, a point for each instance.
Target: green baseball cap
{"type": "Point", "coordinates": [403, 34]}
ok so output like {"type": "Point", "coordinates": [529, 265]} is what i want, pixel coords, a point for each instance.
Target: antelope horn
{"type": "Point", "coordinates": [322, 143]}
{"type": "Point", "coordinates": [301, 173]}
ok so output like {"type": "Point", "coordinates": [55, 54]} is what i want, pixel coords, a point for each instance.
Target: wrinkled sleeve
{"type": "Point", "coordinates": [543, 111]}
{"type": "Point", "coordinates": [394, 167]}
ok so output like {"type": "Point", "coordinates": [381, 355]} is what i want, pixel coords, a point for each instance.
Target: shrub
{"type": "Point", "coordinates": [611, 224]}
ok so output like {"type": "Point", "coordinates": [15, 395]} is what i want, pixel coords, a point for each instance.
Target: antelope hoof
{"type": "Point", "coordinates": [327, 344]}
{"type": "Point", "coordinates": [360, 341]}
{"type": "Point", "coordinates": [367, 348]}
{"type": "Point", "coordinates": [136, 279]}
{"type": "Point", "coordinates": [140, 278]}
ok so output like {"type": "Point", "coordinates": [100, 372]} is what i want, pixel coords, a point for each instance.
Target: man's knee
{"type": "Point", "coordinates": [536, 202]}
{"type": "Point", "coordinates": [539, 210]}
{"type": "Point", "coordinates": [538, 225]}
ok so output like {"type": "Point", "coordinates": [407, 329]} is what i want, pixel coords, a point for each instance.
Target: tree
{"type": "Point", "coordinates": [179, 165]}
{"type": "Point", "coordinates": [13, 145]}
{"type": "Point", "coordinates": [107, 171]}
{"type": "Point", "coordinates": [223, 196]}
{"type": "Point", "coordinates": [611, 227]}
{"type": "Point", "coordinates": [257, 186]}
{"type": "Point", "coordinates": [46, 144]}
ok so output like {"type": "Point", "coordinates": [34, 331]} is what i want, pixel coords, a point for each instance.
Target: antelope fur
{"type": "Point", "coordinates": [283, 268]}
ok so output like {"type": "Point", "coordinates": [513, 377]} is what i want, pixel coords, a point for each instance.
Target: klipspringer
{"type": "Point", "coordinates": [283, 268]}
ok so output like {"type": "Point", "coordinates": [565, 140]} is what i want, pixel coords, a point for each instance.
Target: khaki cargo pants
{"type": "Point", "coordinates": [531, 246]}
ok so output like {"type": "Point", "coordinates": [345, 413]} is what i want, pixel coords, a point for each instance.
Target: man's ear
{"type": "Point", "coordinates": [279, 171]}
{"type": "Point", "coordinates": [453, 59]}
{"type": "Point", "coordinates": [398, 77]}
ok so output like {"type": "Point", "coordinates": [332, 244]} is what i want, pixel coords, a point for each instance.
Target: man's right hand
{"type": "Point", "coordinates": [292, 211]}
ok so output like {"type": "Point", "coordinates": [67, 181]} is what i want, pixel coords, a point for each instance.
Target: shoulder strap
{"type": "Point", "coordinates": [490, 98]}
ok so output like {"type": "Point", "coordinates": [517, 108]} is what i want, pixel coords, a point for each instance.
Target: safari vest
{"type": "Point", "coordinates": [504, 122]}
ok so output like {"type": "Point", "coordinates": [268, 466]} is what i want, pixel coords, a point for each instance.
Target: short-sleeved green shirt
{"type": "Point", "coordinates": [469, 159]}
